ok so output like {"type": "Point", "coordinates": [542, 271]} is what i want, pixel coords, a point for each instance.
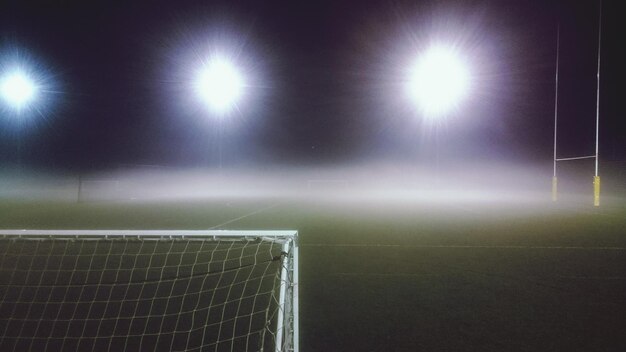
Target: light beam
{"type": "Point", "coordinates": [220, 85]}
{"type": "Point", "coordinates": [438, 82]}
{"type": "Point", "coordinates": [17, 89]}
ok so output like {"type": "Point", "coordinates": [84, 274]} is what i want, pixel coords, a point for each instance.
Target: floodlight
{"type": "Point", "coordinates": [17, 89]}
{"type": "Point", "coordinates": [220, 85]}
{"type": "Point", "coordinates": [438, 82]}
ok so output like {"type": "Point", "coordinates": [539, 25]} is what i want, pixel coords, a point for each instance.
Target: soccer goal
{"type": "Point", "coordinates": [97, 290]}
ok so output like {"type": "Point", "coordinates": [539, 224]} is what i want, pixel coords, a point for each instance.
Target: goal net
{"type": "Point", "coordinates": [148, 290]}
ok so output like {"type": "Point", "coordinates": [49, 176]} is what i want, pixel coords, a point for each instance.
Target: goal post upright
{"type": "Point", "coordinates": [556, 110]}
{"type": "Point", "coordinates": [295, 293]}
{"type": "Point", "coordinates": [289, 288]}
{"type": "Point", "coordinates": [596, 178]}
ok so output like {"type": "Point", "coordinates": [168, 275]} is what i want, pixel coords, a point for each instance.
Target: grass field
{"type": "Point", "coordinates": [406, 276]}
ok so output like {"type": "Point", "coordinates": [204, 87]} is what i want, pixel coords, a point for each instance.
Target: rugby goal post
{"type": "Point", "coordinates": [112, 290]}
{"type": "Point", "coordinates": [596, 177]}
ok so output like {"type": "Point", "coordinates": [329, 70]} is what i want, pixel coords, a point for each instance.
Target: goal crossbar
{"type": "Point", "coordinates": [282, 234]}
{"type": "Point", "coordinates": [576, 158]}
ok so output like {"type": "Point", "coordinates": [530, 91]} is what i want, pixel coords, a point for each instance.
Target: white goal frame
{"type": "Point", "coordinates": [287, 331]}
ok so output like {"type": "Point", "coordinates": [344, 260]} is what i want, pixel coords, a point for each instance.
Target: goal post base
{"type": "Point", "coordinates": [554, 188]}
{"type": "Point", "coordinates": [596, 191]}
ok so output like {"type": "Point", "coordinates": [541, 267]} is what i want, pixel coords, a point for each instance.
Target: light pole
{"type": "Point", "coordinates": [220, 86]}
{"type": "Point", "coordinates": [18, 90]}
{"type": "Point", "coordinates": [438, 82]}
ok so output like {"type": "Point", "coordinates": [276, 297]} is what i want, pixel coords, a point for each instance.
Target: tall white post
{"type": "Point", "coordinates": [296, 284]}
{"type": "Point", "coordinates": [280, 324]}
{"type": "Point", "coordinates": [556, 106]}
{"type": "Point", "coordinates": [596, 179]}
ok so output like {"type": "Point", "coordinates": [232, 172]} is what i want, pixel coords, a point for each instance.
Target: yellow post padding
{"type": "Point", "coordinates": [596, 191]}
{"type": "Point", "coordinates": [554, 183]}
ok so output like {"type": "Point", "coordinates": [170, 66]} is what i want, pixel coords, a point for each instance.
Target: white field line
{"type": "Point", "coordinates": [382, 274]}
{"type": "Point", "coordinates": [357, 245]}
{"type": "Point", "coordinates": [610, 278]}
{"type": "Point", "coordinates": [592, 277]}
{"type": "Point", "coordinates": [243, 216]}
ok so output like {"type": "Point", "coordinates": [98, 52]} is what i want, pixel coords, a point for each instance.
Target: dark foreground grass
{"type": "Point", "coordinates": [390, 276]}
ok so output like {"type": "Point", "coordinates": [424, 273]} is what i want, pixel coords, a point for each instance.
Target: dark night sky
{"type": "Point", "coordinates": [329, 73]}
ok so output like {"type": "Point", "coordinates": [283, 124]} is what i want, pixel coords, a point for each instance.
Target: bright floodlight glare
{"type": "Point", "coordinates": [17, 89]}
{"type": "Point", "coordinates": [220, 85]}
{"type": "Point", "coordinates": [439, 82]}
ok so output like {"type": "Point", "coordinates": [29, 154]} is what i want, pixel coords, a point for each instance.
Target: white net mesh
{"type": "Point", "coordinates": [124, 293]}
